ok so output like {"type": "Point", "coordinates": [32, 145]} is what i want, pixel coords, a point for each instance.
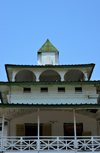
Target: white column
{"type": "Point", "coordinates": [13, 76]}
{"type": "Point", "coordinates": [37, 74]}
{"type": "Point", "coordinates": [62, 77]}
{"type": "Point", "coordinates": [38, 145]}
{"type": "Point", "coordinates": [62, 74]}
{"type": "Point", "coordinates": [75, 139]}
{"type": "Point", "coordinates": [86, 77]}
{"type": "Point", "coordinates": [2, 133]}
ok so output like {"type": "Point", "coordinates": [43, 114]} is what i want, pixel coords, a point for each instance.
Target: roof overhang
{"type": "Point", "coordinates": [50, 83]}
{"type": "Point", "coordinates": [49, 66]}
{"type": "Point", "coordinates": [61, 106]}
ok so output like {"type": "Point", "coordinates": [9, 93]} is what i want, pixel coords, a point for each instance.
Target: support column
{"type": "Point", "coordinates": [62, 74]}
{"type": "Point", "coordinates": [37, 74]}
{"type": "Point", "coordinates": [75, 138]}
{"type": "Point", "coordinates": [86, 77]}
{"type": "Point", "coordinates": [13, 75]}
{"type": "Point", "coordinates": [2, 133]}
{"type": "Point", "coordinates": [37, 78]}
{"type": "Point", "coordinates": [38, 142]}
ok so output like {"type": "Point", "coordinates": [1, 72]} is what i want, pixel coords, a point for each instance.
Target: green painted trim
{"type": "Point", "coordinates": [48, 47]}
{"type": "Point", "coordinates": [50, 83]}
{"type": "Point", "coordinates": [88, 106]}
{"type": "Point", "coordinates": [49, 66]}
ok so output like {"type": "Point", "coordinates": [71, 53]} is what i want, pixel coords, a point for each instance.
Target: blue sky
{"type": "Point", "coordinates": [72, 26]}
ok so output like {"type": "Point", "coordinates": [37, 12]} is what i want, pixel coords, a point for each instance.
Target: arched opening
{"type": "Point", "coordinates": [25, 75]}
{"type": "Point", "coordinates": [50, 75]}
{"type": "Point", "coordinates": [74, 75]}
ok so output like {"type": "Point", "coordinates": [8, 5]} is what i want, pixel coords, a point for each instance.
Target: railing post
{"type": "Point", "coordinates": [1, 143]}
{"type": "Point", "coordinates": [38, 145]}
{"type": "Point", "coordinates": [92, 144]}
{"type": "Point", "coordinates": [58, 143]}
{"type": "Point", "coordinates": [21, 142]}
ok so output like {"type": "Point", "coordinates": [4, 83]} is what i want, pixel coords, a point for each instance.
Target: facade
{"type": "Point", "coordinates": [49, 107]}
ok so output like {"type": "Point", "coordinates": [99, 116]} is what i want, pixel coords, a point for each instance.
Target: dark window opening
{"type": "Point", "coordinates": [27, 90]}
{"type": "Point", "coordinates": [78, 89]}
{"type": "Point", "coordinates": [69, 129]}
{"type": "Point", "coordinates": [61, 89]}
{"type": "Point", "coordinates": [31, 129]}
{"type": "Point", "coordinates": [44, 89]}
{"type": "Point", "coordinates": [0, 128]}
{"type": "Point", "coordinates": [98, 91]}
{"type": "Point", "coordinates": [92, 110]}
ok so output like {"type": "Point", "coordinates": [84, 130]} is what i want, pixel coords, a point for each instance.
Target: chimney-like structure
{"type": "Point", "coordinates": [48, 54]}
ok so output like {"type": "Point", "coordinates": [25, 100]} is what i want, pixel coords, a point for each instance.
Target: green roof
{"type": "Point", "coordinates": [51, 83]}
{"type": "Point", "coordinates": [49, 66]}
{"type": "Point", "coordinates": [92, 106]}
{"type": "Point", "coordinates": [47, 47]}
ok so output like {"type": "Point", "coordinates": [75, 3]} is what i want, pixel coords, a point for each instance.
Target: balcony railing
{"type": "Point", "coordinates": [50, 143]}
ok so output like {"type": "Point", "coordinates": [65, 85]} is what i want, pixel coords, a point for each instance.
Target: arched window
{"type": "Point", "coordinates": [74, 75]}
{"type": "Point", "coordinates": [50, 75]}
{"type": "Point", "coordinates": [25, 75]}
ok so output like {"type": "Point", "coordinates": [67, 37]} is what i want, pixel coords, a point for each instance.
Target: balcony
{"type": "Point", "coordinates": [50, 144]}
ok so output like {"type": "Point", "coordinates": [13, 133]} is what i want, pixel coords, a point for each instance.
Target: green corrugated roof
{"type": "Point", "coordinates": [51, 83]}
{"type": "Point", "coordinates": [49, 66]}
{"type": "Point", "coordinates": [92, 106]}
{"type": "Point", "coordinates": [47, 47]}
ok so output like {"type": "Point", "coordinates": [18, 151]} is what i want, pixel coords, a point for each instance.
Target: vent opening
{"type": "Point", "coordinates": [78, 89]}
{"type": "Point", "coordinates": [61, 89]}
{"type": "Point", "coordinates": [27, 90]}
{"type": "Point", "coordinates": [44, 89]}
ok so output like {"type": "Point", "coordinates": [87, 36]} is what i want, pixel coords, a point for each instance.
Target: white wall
{"type": "Point", "coordinates": [61, 116]}
{"type": "Point", "coordinates": [48, 58]}
{"type": "Point", "coordinates": [53, 96]}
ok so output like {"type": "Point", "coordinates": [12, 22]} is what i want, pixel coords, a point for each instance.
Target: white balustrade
{"type": "Point", "coordinates": [50, 143]}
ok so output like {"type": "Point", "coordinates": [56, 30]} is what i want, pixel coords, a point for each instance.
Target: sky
{"type": "Point", "coordinates": [72, 26]}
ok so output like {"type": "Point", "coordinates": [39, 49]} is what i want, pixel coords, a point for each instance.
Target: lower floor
{"type": "Point", "coordinates": [50, 130]}
{"type": "Point", "coordinates": [53, 123]}
{"type": "Point", "coordinates": [51, 144]}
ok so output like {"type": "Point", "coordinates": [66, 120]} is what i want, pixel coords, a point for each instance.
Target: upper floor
{"type": "Point", "coordinates": [48, 68]}
{"type": "Point", "coordinates": [50, 93]}
{"type": "Point", "coordinates": [32, 73]}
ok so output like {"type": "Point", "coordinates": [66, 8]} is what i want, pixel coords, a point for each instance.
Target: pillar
{"type": "Point", "coordinates": [75, 138]}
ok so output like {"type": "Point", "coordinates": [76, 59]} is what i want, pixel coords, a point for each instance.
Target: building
{"type": "Point", "coordinates": [50, 107]}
